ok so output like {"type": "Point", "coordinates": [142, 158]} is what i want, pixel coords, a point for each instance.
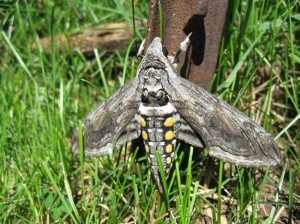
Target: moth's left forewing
{"type": "Point", "coordinates": [112, 122]}
{"type": "Point", "coordinates": [131, 131]}
{"type": "Point", "coordinates": [97, 133]}
{"type": "Point", "coordinates": [228, 134]}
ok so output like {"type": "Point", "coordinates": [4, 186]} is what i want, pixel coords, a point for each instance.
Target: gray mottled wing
{"type": "Point", "coordinates": [113, 122]}
{"type": "Point", "coordinates": [228, 134]}
{"type": "Point", "coordinates": [185, 132]}
{"type": "Point", "coordinates": [131, 131]}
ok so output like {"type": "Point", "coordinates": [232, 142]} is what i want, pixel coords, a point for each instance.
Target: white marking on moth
{"type": "Point", "coordinates": [156, 143]}
{"type": "Point", "coordinates": [157, 111]}
{"type": "Point", "coordinates": [151, 156]}
{"type": "Point", "coordinates": [155, 129]}
{"type": "Point", "coordinates": [105, 150]}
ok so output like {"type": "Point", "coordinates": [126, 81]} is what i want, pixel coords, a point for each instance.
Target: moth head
{"type": "Point", "coordinates": [155, 46]}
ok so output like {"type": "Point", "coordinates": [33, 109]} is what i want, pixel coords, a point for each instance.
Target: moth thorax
{"type": "Point", "coordinates": [154, 98]}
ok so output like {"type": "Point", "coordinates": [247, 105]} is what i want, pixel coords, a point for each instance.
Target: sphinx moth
{"type": "Point", "coordinates": [162, 108]}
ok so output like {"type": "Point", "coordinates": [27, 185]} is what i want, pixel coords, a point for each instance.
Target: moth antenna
{"type": "Point", "coordinates": [185, 44]}
{"type": "Point", "coordinates": [182, 48]}
{"type": "Point", "coordinates": [141, 49]}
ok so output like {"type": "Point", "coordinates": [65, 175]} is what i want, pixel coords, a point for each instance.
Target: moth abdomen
{"type": "Point", "coordinates": [157, 126]}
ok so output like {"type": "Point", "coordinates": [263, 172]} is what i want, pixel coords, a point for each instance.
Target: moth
{"type": "Point", "coordinates": [163, 108]}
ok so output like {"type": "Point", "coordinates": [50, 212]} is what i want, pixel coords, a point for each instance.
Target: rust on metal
{"type": "Point", "coordinates": [205, 19]}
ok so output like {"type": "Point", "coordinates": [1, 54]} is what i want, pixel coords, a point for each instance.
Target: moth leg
{"type": "Point", "coordinates": [141, 49]}
{"type": "Point", "coordinates": [182, 47]}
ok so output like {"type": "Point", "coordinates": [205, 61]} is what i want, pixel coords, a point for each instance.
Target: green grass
{"type": "Point", "coordinates": [43, 97]}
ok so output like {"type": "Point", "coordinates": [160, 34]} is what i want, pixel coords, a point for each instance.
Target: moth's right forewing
{"type": "Point", "coordinates": [226, 132]}
{"type": "Point", "coordinates": [103, 127]}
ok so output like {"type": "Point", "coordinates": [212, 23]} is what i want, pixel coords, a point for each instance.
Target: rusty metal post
{"type": "Point", "coordinates": [205, 19]}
